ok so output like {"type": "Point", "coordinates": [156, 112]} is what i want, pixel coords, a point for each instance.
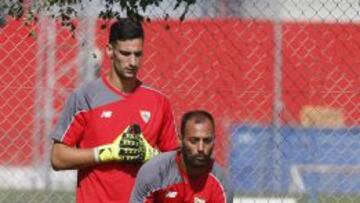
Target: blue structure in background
{"type": "Point", "coordinates": [260, 165]}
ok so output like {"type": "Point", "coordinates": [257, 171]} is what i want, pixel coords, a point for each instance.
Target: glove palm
{"type": "Point", "coordinates": [146, 151]}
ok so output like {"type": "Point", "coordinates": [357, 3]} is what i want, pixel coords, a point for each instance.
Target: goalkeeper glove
{"type": "Point", "coordinates": [124, 148]}
{"type": "Point", "coordinates": [146, 151]}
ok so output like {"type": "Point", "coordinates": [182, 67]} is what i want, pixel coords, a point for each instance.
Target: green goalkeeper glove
{"type": "Point", "coordinates": [146, 151]}
{"type": "Point", "coordinates": [124, 148]}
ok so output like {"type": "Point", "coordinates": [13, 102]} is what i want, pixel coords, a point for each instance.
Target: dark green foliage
{"type": "Point", "coordinates": [66, 11]}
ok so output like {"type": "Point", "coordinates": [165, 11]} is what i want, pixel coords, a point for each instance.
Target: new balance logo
{"type": "Point", "coordinates": [171, 194]}
{"type": "Point", "coordinates": [106, 114]}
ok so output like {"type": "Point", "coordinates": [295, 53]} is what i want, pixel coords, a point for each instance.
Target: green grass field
{"type": "Point", "coordinates": [322, 198]}
{"type": "Point", "coordinates": [339, 199]}
{"type": "Point", "coordinates": [36, 196]}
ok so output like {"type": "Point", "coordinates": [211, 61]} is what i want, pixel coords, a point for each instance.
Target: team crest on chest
{"type": "Point", "coordinates": [145, 115]}
{"type": "Point", "coordinates": [199, 200]}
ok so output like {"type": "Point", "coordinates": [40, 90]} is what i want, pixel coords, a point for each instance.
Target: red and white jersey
{"type": "Point", "coordinates": [94, 115]}
{"type": "Point", "coordinates": [161, 180]}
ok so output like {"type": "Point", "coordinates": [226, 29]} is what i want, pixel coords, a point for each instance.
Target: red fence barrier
{"type": "Point", "coordinates": [224, 66]}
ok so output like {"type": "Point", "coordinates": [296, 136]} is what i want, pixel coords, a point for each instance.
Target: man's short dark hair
{"type": "Point", "coordinates": [125, 29]}
{"type": "Point", "coordinates": [199, 116]}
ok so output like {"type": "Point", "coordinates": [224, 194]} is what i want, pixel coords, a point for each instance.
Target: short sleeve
{"type": "Point", "coordinates": [70, 125]}
{"type": "Point", "coordinates": [168, 139]}
{"type": "Point", "coordinates": [147, 181]}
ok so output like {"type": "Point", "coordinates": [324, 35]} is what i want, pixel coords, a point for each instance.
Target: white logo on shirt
{"type": "Point", "coordinates": [106, 114]}
{"type": "Point", "coordinates": [199, 200]}
{"type": "Point", "coordinates": [145, 115]}
{"type": "Point", "coordinates": [171, 194]}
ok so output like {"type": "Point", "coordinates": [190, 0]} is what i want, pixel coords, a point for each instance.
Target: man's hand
{"type": "Point", "coordinates": [146, 151]}
{"type": "Point", "coordinates": [126, 147]}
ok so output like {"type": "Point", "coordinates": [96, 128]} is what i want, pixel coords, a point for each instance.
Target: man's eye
{"type": "Point", "coordinates": [208, 140]}
{"type": "Point", "coordinates": [125, 53]}
{"type": "Point", "coordinates": [193, 141]}
{"type": "Point", "coordinates": [138, 54]}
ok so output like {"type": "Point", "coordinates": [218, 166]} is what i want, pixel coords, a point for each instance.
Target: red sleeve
{"type": "Point", "coordinates": [75, 130]}
{"type": "Point", "coordinates": [168, 139]}
{"type": "Point", "coordinates": [218, 196]}
{"type": "Point", "coordinates": [220, 191]}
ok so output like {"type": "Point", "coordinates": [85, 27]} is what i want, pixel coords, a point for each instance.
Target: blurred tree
{"type": "Point", "coordinates": [66, 10]}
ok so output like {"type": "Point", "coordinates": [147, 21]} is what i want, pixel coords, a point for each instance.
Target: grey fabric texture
{"type": "Point", "coordinates": [158, 173]}
{"type": "Point", "coordinates": [86, 97]}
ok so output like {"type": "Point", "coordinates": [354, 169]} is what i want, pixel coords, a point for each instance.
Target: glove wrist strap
{"type": "Point", "coordinates": [96, 154]}
{"type": "Point", "coordinates": [103, 153]}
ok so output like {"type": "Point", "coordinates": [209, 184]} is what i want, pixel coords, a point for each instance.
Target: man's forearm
{"type": "Point", "coordinates": [64, 157]}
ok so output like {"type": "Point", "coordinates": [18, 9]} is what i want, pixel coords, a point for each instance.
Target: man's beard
{"type": "Point", "coordinates": [201, 160]}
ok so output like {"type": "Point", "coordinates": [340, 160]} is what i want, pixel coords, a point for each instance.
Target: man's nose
{"type": "Point", "coordinates": [200, 146]}
{"type": "Point", "coordinates": [133, 60]}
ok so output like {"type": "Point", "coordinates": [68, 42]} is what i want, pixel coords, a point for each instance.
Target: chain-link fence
{"type": "Point", "coordinates": [281, 78]}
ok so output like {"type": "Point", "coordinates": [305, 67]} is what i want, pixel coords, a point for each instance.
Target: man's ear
{"type": "Point", "coordinates": [180, 140]}
{"type": "Point", "coordinates": [110, 51]}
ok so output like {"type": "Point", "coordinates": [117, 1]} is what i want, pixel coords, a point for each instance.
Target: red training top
{"type": "Point", "coordinates": [94, 115]}
{"type": "Point", "coordinates": [162, 181]}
